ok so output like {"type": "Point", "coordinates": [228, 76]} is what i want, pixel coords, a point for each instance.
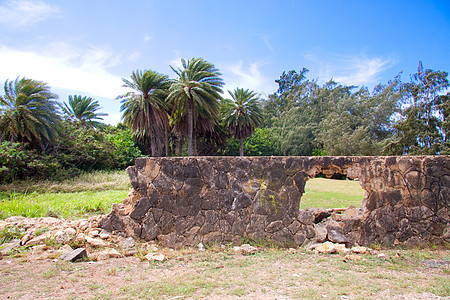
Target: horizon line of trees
{"type": "Point", "coordinates": [187, 115]}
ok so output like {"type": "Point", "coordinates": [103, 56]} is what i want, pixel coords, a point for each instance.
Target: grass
{"type": "Point", "coordinates": [88, 194]}
{"type": "Point", "coordinates": [92, 181]}
{"type": "Point", "coordinates": [330, 193]}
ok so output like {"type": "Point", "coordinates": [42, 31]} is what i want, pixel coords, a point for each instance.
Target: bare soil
{"type": "Point", "coordinates": [219, 273]}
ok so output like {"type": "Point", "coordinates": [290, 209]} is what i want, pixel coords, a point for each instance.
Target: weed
{"type": "Point", "coordinates": [10, 233]}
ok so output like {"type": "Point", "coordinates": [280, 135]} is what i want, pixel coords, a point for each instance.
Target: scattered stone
{"type": "Point", "coordinates": [83, 225]}
{"type": "Point", "coordinates": [108, 253]}
{"type": "Point", "coordinates": [26, 238]}
{"type": "Point", "coordinates": [326, 247]}
{"type": "Point", "coordinates": [381, 256]}
{"type": "Point", "coordinates": [127, 243]}
{"type": "Point", "coordinates": [80, 239]}
{"type": "Point", "coordinates": [359, 249]}
{"type": "Point", "coordinates": [96, 242]}
{"type": "Point", "coordinates": [40, 239]}
{"type": "Point", "coordinates": [64, 236]}
{"type": "Point", "coordinates": [245, 249]}
{"type": "Point", "coordinates": [75, 255]}
{"type": "Point", "coordinates": [340, 248]}
{"type": "Point", "coordinates": [311, 246]}
{"type": "Point", "coordinates": [65, 249]}
{"type": "Point", "coordinates": [155, 256]}
{"type": "Point", "coordinates": [104, 235]}
{"type": "Point", "coordinates": [94, 233]}
{"type": "Point", "coordinates": [201, 247]}
{"type": "Point", "coordinates": [7, 248]}
{"type": "Point", "coordinates": [352, 257]}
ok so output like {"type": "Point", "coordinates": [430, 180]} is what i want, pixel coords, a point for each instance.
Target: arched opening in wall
{"type": "Point", "coordinates": [332, 192]}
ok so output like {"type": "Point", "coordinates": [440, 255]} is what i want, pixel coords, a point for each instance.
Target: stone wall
{"type": "Point", "coordinates": [184, 201]}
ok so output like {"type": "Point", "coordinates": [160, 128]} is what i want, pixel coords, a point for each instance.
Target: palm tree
{"type": "Point", "coordinates": [195, 95]}
{"type": "Point", "coordinates": [83, 110]}
{"type": "Point", "coordinates": [28, 113]}
{"type": "Point", "coordinates": [144, 108]}
{"type": "Point", "coordinates": [241, 115]}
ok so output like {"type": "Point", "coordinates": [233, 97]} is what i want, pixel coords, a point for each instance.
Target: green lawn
{"type": "Point", "coordinates": [330, 193]}
{"type": "Point", "coordinates": [88, 194]}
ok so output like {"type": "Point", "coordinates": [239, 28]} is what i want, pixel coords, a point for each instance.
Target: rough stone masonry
{"type": "Point", "coordinates": [186, 200]}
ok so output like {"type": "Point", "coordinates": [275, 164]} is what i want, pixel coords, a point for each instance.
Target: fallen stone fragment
{"type": "Point", "coordinates": [94, 233]}
{"type": "Point", "coordinates": [127, 243]}
{"type": "Point", "coordinates": [352, 257]}
{"type": "Point", "coordinates": [40, 239]}
{"type": "Point", "coordinates": [80, 238]}
{"type": "Point", "coordinates": [340, 248]}
{"type": "Point", "coordinates": [65, 236]}
{"type": "Point", "coordinates": [311, 246]}
{"type": "Point", "coordinates": [155, 256]}
{"type": "Point", "coordinates": [96, 242]}
{"type": "Point", "coordinates": [245, 249]}
{"type": "Point", "coordinates": [201, 247]}
{"type": "Point", "coordinates": [104, 235]}
{"type": "Point", "coordinates": [108, 253]}
{"type": "Point", "coordinates": [359, 249]}
{"type": "Point", "coordinates": [7, 248]}
{"type": "Point", "coordinates": [26, 238]}
{"type": "Point", "coordinates": [381, 256]}
{"type": "Point", "coordinates": [326, 247]}
{"type": "Point", "coordinates": [65, 249]}
{"type": "Point", "coordinates": [75, 255]}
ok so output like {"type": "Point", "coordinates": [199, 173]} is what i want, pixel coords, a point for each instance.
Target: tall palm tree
{"type": "Point", "coordinates": [195, 95]}
{"type": "Point", "coordinates": [241, 114]}
{"type": "Point", "coordinates": [28, 113]}
{"type": "Point", "coordinates": [83, 110]}
{"type": "Point", "coordinates": [144, 108]}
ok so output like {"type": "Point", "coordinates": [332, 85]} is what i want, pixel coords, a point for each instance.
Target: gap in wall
{"type": "Point", "coordinates": [335, 192]}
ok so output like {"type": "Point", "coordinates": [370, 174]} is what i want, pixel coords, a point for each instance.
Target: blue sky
{"type": "Point", "coordinates": [86, 47]}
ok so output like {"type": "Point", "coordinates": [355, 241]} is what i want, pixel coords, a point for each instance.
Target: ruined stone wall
{"type": "Point", "coordinates": [184, 201]}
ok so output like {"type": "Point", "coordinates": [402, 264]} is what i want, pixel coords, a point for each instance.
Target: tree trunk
{"type": "Point", "coordinates": [241, 147]}
{"type": "Point", "coordinates": [190, 128]}
{"type": "Point", "coordinates": [166, 141]}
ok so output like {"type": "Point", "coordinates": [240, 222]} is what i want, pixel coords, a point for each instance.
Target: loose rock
{"type": "Point", "coordinates": [75, 255]}
{"type": "Point", "coordinates": [155, 256]}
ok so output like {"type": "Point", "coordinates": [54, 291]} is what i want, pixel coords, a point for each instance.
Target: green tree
{"type": "Point", "coordinates": [422, 128]}
{"type": "Point", "coordinates": [194, 96]}
{"type": "Point", "coordinates": [28, 113]}
{"type": "Point", "coordinates": [83, 110]}
{"type": "Point", "coordinates": [241, 114]}
{"type": "Point", "coordinates": [145, 108]}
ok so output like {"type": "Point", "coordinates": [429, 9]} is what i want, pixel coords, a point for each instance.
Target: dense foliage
{"type": "Point", "coordinates": [188, 116]}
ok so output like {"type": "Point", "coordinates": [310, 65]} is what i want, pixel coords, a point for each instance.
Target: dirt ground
{"type": "Point", "coordinates": [219, 273]}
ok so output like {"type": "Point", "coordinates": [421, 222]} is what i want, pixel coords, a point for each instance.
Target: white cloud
{"type": "Point", "coordinates": [147, 38]}
{"type": "Point", "coordinates": [65, 67]}
{"type": "Point", "coordinates": [21, 13]}
{"type": "Point", "coordinates": [176, 61]}
{"type": "Point", "coordinates": [237, 75]}
{"type": "Point", "coordinates": [348, 69]}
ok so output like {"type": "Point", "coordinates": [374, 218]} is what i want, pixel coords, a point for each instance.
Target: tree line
{"type": "Point", "coordinates": [187, 115]}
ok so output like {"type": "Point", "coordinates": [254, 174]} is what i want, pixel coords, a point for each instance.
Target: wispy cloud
{"type": "Point", "coordinates": [21, 13]}
{"type": "Point", "coordinates": [247, 77]}
{"type": "Point", "coordinates": [65, 67]}
{"type": "Point", "coordinates": [266, 41]}
{"type": "Point", "coordinates": [357, 69]}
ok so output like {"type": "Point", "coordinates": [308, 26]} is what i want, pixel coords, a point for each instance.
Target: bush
{"type": "Point", "coordinates": [78, 148]}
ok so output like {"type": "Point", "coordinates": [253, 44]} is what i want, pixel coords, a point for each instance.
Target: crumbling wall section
{"type": "Point", "coordinates": [185, 200]}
